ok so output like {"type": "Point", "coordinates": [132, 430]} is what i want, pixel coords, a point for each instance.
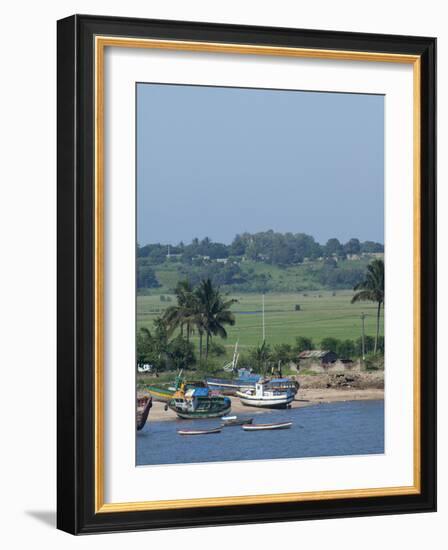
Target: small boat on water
{"type": "Point", "coordinates": [259, 427]}
{"type": "Point", "coordinates": [264, 396]}
{"type": "Point", "coordinates": [199, 432]}
{"type": "Point", "coordinates": [235, 421]}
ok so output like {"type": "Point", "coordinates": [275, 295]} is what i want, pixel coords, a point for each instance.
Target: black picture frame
{"type": "Point", "coordinates": [76, 269]}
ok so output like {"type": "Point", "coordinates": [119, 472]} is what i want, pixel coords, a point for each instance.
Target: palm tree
{"type": "Point", "coordinates": [260, 357]}
{"type": "Point", "coordinates": [372, 290]}
{"type": "Point", "coordinates": [213, 312]}
{"type": "Point", "coordinates": [181, 314]}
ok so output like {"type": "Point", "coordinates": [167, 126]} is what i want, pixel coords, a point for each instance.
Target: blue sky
{"type": "Point", "coordinates": [220, 161]}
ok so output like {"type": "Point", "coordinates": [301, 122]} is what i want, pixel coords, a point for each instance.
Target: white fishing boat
{"type": "Point", "coordinates": [263, 396]}
{"type": "Point", "coordinates": [199, 432]}
{"type": "Point", "coordinates": [259, 427]}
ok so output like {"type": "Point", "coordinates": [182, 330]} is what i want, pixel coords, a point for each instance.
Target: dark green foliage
{"type": "Point", "coordinates": [217, 350]}
{"type": "Point", "coordinates": [202, 309]}
{"type": "Point", "coordinates": [372, 289]}
{"type": "Point", "coordinates": [369, 345]}
{"type": "Point", "coordinates": [213, 313]}
{"type": "Point", "coordinates": [283, 353]}
{"type": "Point", "coordinates": [370, 247]}
{"type": "Point", "coordinates": [303, 344]}
{"type": "Point", "coordinates": [346, 349]}
{"type": "Point", "coordinates": [353, 246]}
{"type": "Point", "coordinates": [329, 344]}
{"type": "Point", "coordinates": [230, 266]}
{"type": "Point", "coordinates": [156, 349]}
{"type": "Point", "coordinates": [152, 347]}
{"type": "Point", "coordinates": [281, 249]}
{"type": "Point", "coordinates": [333, 248]}
{"type": "Point", "coordinates": [333, 276]}
{"type": "Point", "coordinates": [146, 278]}
{"type": "Point", "coordinates": [259, 358]}
{"type": "Point", "coordinates": [180, 353]}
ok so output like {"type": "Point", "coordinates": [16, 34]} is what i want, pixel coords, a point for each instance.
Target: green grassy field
{"type": "Point", "coordinates": [322, 315]}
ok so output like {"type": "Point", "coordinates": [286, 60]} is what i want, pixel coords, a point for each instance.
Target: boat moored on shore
{"type": "Point", "coordinates": [199, 403]}
{"type": "Point", "coordinates": [263, 396]}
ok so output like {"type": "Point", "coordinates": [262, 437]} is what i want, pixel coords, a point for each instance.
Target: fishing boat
{"type": "Point", "coordinates": [199, 432]}
{"type": "Point", "coordinates": [166, 394]}
{"type": "Point", "coordinates": [229, 386]}
{"type": "Point", "coordinates": [282, 384]}
{"type": "Point", "coordinates": [259, 427]}
{"type": "Point", "coordinates": [199, 403]}
{"type": "Point", "coordinates": [235, 421]}
{"type": "Point", "coordinates": [246, 380]}
{"type": "Point", "coordinates": [263, 396]}
{"type": "Point", "coordinates": [163, 395]}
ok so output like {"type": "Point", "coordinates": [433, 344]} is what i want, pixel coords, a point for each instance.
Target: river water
{"type": "Point", "coordinates": [327, 429]}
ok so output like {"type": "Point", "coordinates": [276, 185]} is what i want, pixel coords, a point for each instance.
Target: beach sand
{"type": "Point", "coordinates": [304, 398]}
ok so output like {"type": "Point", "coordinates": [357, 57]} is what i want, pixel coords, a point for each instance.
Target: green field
{"type": "Point", "coordinates": [323, 314]}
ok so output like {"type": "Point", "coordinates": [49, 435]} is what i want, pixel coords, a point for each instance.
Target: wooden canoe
{"type": "Point", "coordinates": [199, 432]}
{"type": "Point", "coordinates": [259, 427]}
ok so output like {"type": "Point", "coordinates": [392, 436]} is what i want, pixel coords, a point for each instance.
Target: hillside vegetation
{"type": "Point", "coordinates": [261, 262]}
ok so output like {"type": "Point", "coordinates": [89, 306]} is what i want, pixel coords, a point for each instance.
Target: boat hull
{"type": "Point", "coordinates": [228, 387]}
{"type": "Point", "coordinates": [200, 414]}
{"type": "Point", "coordinates": [199, 432]}
{"type": "Point", "coordinates": [266, 403]}
{"type": "Point", "coordinates": [160, 394]}
{"type": "Point", "coordinates": [232, 387]}
{"type": "Point", "coordinates": [261, 427]}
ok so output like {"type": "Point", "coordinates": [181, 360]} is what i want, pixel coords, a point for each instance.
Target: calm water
{"type": "Point", "coordinates": [333, 429]}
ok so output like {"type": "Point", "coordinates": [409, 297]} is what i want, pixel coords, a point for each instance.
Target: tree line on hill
{"type": "Point", "coordinates": [205, 259]}
{"type": "Point", "coordinates": [281, 249]}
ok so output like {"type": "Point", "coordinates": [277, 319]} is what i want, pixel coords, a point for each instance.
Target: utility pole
{"type": "Point", "coordinates": [363, 316]}
{"type": "Point", "coordinates": [264, 330]}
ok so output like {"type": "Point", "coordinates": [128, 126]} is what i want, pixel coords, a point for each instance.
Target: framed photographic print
{"type": "Point", "coordinates": [246, 274]}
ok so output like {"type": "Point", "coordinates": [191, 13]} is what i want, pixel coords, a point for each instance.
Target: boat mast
{"type": "Point", "coordinates": [235, 357]}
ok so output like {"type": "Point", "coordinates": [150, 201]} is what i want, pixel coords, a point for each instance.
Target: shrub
{"type": "Point", "coordinates": [303, 344]}
{"type": "Point", "coordinates": [217, 350]}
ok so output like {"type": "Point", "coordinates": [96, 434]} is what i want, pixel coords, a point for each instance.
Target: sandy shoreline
{"type": "Point", "coordinates": [304, 398]}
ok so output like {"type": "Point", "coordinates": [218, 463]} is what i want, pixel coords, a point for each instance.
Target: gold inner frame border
{"type": "Point", "coordinates": [100, 43]}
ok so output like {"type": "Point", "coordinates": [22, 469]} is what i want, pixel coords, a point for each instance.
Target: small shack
{"type": "Point", "coordinates": [317, 357]}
